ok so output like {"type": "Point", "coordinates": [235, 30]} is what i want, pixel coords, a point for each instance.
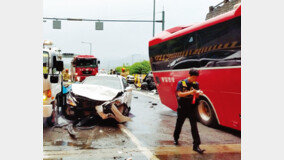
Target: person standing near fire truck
{"type": "Point", "coordinates": [187, 94]}
{"type": "Point", "coordinates": [123, 73]}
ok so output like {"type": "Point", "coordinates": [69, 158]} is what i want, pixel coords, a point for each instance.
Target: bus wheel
{"type": "Point", "coordinates": [205, 113]}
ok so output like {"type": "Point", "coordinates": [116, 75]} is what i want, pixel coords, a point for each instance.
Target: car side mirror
{"type": "Point", "coordinates": [45, 76]}
{"type": "Point", "coordinates": [59, 66]}
{"type": "Point", "coordinates": [54, 79]}
{"type": "Point", "coordinates": [128, 89]}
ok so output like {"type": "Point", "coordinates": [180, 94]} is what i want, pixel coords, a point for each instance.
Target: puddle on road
{"type": "Point", "coordinates": [221, 156]}
{"type": "Point", "coordinates": [79, 144]}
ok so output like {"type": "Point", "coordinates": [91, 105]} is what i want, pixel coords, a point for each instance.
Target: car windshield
{"type": "Point", "coordinates": [111, 82]}
{"type": "Point", "coordinates": [45, 62]}
{"type": "Point", "coordinates": [83, 62]}
{"type": "Point", "coordinates": [45, 59]}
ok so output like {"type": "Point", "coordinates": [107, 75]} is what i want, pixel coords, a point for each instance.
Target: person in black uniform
{"type": "Point", "coordinates": [187, 93]}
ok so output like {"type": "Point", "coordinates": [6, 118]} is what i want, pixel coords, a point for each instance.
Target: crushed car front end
{"type": "Point", "coordinates": [79, 107]}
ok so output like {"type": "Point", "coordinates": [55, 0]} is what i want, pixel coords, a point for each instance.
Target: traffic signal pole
{"type": "Point", "coordinates": [163, 20]}
{"type": "Point", "coordinates": [154, 10]}
{"type": "Point", "coordinates": [114, 20]}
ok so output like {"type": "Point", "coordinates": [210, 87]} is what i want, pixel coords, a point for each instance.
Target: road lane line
{"type": "Point", "coordinates": [144, 150]}
{"type": "Point", "coordinates": [144, 94]}
{"type": "Point", "coordinates": [90, 138]}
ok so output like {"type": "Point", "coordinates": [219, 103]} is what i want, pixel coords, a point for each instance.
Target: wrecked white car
{"type": "Point", "coordinates": [106, 96]}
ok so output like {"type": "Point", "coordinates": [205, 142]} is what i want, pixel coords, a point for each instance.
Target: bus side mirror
{"type": "Point", "coordinates": [59, 66]}
{"type": "Point", "coordinates": [54, 79]}
{"type": "Point", "coordinates": [99, 62]}
{"type": "Point", "coordinates": [45, 76]}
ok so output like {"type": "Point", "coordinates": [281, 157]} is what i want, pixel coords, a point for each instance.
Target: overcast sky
{"type": "Point", "coordinates": [120, 42]}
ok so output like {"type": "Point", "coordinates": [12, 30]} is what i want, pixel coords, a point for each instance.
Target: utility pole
{"type": "Point", "coordinates": [163, 20]}
{"type": "Point", "coordinates": [154, 10]}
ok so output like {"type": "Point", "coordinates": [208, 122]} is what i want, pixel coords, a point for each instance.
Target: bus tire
{"type": "Point", "coordinates": [205, 113]}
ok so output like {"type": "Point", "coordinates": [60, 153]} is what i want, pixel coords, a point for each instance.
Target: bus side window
{"type": "Point", "coordinates": [191, 41]}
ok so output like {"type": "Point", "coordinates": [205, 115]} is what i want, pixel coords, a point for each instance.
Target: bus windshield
{"type": "Point", "coordinates": [83, 62]}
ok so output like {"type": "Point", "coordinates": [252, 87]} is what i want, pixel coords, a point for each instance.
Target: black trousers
{"type": "Point", "coordinates": [189, 113]}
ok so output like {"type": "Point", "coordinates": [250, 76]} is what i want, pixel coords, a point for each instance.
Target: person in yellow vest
{"type": "Point", "coordinates": [66, 75]}
{"type": "Point", "coordinates": [123, 73]}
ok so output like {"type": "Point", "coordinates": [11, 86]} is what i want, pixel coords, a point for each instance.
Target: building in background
{"type": "Point", "coordinates": [222, 7]}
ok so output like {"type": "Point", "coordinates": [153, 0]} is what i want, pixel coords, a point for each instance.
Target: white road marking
{"type": "Point", "coordinates": [148, 95]}
{"type": "Point", "coordinates": [89, 140]}
{"type": "Point", "coordinates": [144, 150]}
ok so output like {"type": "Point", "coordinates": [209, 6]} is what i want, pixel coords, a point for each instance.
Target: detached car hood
{"type": "Point", "coordinates": [95, 92]}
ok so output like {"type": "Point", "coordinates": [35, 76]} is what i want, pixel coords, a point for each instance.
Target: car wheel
{"type": "Point", "coordinates": [50, 120]}
{"type": "Point", "coordinates": [144, 86]}
{"type": "Point", "coordinates": [205, 113]}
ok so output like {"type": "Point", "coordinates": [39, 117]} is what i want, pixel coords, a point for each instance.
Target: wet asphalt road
{"type": "Point", "coordinates": [147, 136]}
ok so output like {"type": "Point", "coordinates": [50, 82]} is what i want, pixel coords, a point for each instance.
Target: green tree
{"type": "Point", "coordinates": [140, 67]}
{"type": "Point", "coordinates": [137, 68]}
{"type": "Point", "coordinates": [119, 68]}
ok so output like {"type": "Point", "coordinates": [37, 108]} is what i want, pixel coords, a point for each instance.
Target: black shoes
{"type": "Point", "coordinates": [197, 149]}
{"type": "Point", "coordinates": [176, 142]}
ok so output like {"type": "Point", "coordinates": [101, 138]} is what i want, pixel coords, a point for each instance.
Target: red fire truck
{"type": "Point", "coordinates": [83, 66]}
{"type": "Point", "coordinates": [214, 48]}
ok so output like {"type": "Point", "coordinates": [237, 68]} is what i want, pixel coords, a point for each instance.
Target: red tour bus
{"type": "Point", "coordinates": [214, 48]}
{"type": "Point", "coordinates": [83, 66]}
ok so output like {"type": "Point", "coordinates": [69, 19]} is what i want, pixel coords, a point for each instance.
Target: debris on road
{"type": "Point", "coordinates": [71, 131]}
{"type": "Point", "coordinates": [84, 121]}
{"type": "Point", "coordinates": [60, 122]}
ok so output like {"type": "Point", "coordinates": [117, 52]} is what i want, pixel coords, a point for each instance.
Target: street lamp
{"type": "Point", "coordinates": [90, 46]}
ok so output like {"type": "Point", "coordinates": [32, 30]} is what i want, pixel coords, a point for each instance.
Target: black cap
{"type": "Point", "coordinates": [193, 72]}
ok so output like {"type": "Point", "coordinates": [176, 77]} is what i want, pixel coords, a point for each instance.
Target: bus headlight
{"type": "Point", "coordinates": [78, 78]}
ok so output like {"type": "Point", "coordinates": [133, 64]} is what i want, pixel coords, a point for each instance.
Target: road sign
{"type": "Point", "coordinates": [99, 26]}
{"type": "Point", "coordinates": [56, 24]}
